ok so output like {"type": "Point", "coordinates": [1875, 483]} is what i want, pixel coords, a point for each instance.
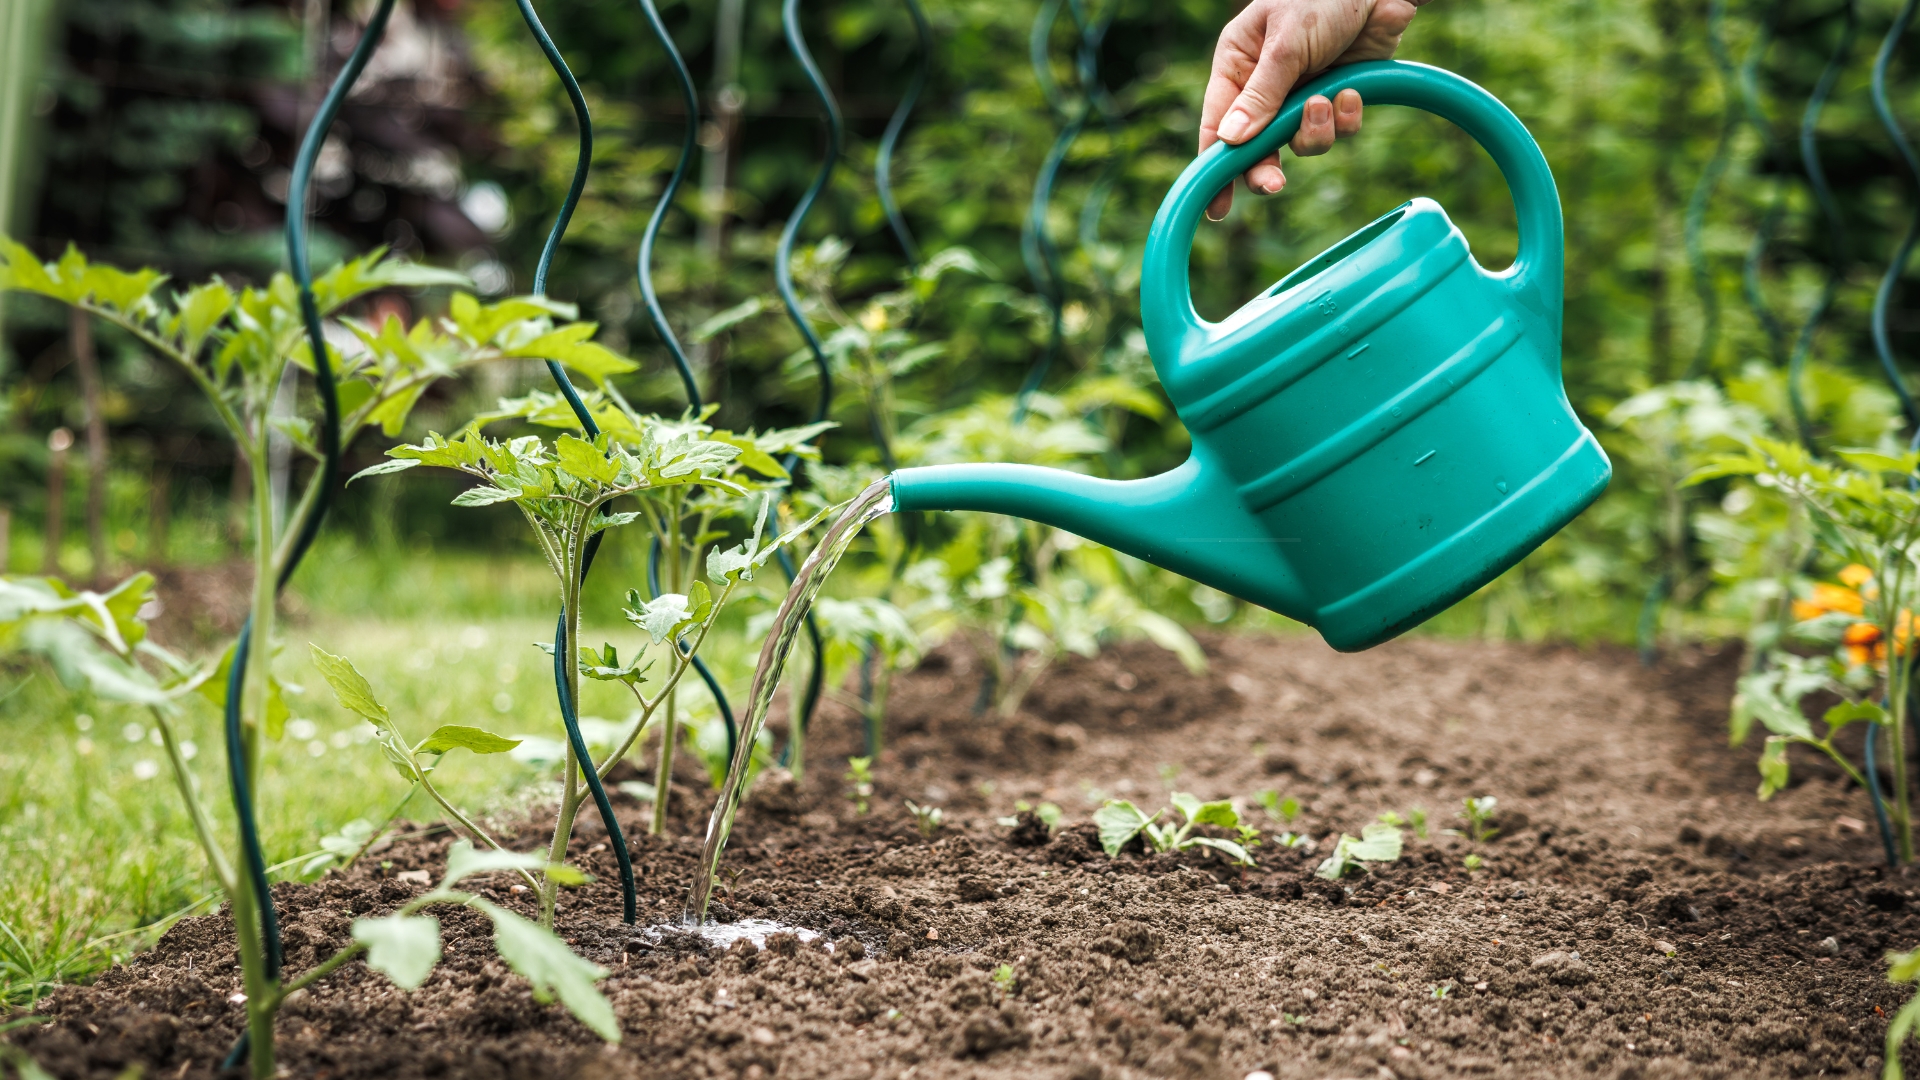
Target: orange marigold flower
{"type": "Point", "coordinates": [1855, 575]}
{"type": "Point", "coordinates": [1858, 655]}
{"type": "Point", "coordinates": [1861, 633]}
{"type": "Point", "coordinates": [1827, 597]}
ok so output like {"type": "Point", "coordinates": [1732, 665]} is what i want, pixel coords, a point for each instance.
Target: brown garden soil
{"type": "Point", "coordinates": [1641, 915]}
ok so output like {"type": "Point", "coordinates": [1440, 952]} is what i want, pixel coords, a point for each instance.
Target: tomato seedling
{"type": "Point", "coordinates": [1377, 842]}
{"type": "Point", "coordinates": [1119, 821]}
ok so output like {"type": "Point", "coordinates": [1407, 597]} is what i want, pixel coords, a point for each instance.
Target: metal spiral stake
{"type": "Point", "coordinates": [656, 314]}
{"type": "Point", "coordinates": [239, 776]}
{"type": "Point", "coordinates": [569, 715]}
{"type": "Point", "coordinates": [1830, 210]}
{"type": "Point", "coordinates": [1037, 248]}
{"type": "Point", "coordinates": [783, 281]}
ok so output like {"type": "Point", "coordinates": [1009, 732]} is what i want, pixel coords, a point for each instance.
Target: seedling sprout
{"type": "Point", "coordinates": [1119, 821]}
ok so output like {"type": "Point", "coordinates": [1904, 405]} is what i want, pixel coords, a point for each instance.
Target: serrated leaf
{"type": "Point", "coordinates": [1773, 767]}
{"type": "Point", "coordinates": [553, 969]}
{"type": "Point", "coordinates": [1848, 712]}
{"type": "Point", "coordinates": [385, 467]}
{"type": "Point", "coordinates": [660, 616]}
{"type": "Point", "coordinates": [456, 736]}
{"type": "Point", "coordinates": [1119, 821]}
{"type": "Point", "coordinates": [728, 319]}
{"type": "Point", "coordinates": [350, 688]}
{"type": "Point", "coordinates": [405, 948]}
{"type": "Point", "coordinates": [464, 861]}
{"type": "Point", "coordinates": [485, 495]}
{"type": "Point", "coordinates": [580, 458]}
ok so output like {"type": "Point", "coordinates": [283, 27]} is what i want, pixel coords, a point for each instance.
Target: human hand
{"type": "Point", "coordinates": [1273, 45]}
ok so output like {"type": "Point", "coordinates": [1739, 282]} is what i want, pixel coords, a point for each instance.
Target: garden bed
{"type": "Point", "coordinates": [1639, 915]}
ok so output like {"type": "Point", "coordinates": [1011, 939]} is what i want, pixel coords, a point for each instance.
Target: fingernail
{"type": "Point", "coordinates": [1211, 216]}
{"type": "Point", "coordinates": [1235, 125]}
{"type": "Point", "coordinates": [1319, 111]}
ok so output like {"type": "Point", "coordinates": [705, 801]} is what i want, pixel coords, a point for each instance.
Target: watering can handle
{"type": "Point", "coordinates": [1175, 332]}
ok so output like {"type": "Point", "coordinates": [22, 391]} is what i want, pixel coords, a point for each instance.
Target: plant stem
{"type": "Point", "coordinates": [202, 828]}
{"type": "Point", "coordinates": [670, 727]}
{"type": "Point", "coordinates": [570, 664]}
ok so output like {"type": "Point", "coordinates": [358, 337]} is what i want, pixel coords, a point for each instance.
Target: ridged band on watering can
{"type": "Point", "coordinates": [1379, 434]}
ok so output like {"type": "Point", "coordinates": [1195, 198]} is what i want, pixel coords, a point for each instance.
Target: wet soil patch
{"type": "Point", "coordinates": [1640, 915]}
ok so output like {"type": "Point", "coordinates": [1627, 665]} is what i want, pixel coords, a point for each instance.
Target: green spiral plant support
{"type": "Point", "coordinates": [239, 772]}
{"type": "Point", "coordinates": [1830, 210]}
{"type": "Point", "coordinates": [1646, 630]}
{"type": "Point", "coordinates": [783, 281]}
{"type": "Point", "coordinates": [1883, 297]}
{"type": "Point", "coordinates": [1704, 189]}
{"type": "Point", "coordinates": [569, 715]}
{"type": "Point", "coordinates": [890, 140]}
{"type": "Point", "coordinates": [656, 314]}
{"type": "Point", "coordinates": [1750, 283]}
{"type": "Point", "coordinates": [1037, 247]}
{"type": "Point", "coordinates": [1883, 344]}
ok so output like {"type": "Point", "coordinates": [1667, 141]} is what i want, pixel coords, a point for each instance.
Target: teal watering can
{"type": "Point", "coordinates": [1377, 435]}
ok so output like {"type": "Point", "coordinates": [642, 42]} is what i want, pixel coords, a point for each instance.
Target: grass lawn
{"type": "Point", "coordinates": [97, 849]}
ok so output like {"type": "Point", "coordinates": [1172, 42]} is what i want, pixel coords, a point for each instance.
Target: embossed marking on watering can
{"type": "Point", "coordinates": [1396, 286]}
{"type": "Point", "coordinates": [1385, 419]}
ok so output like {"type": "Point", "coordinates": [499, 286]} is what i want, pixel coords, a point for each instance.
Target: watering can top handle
{"type": "Point", "coordinates": [1536, 274]}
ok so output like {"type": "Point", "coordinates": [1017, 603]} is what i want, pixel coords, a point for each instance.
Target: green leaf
{"type": "Point", "coordinates": [728, 319]}
{"type": "Point", "coordinates": [553, 969]}
{"type": "Point", "coordinates": [1773, 767]}
{"type": "Point", "coordinates": [403, 947]}
{"type": "Point", "coordinates": [568, 346]}
{"type": "Point", "coordinates": [1849, 711]}
{"type": "Point", "coordinates": [1760, 697]}
{"type": "Point", "coordinates": [1198, 813]}
{"type": "Point", "coordinates": [662, 615]}
{"type": "Point", "coordinates": [1226, 847]}
{"type": "Point", "coordinates": [198, 312]}
{"type": "Point", "coordinates": [382, 469]}
{"type": "Point", "coordinates": [485, 495]}
{"type": "Point", "coordinates": [350, 688]}
{"type": "Point", "coordinates": [1379, 842]}
{"type": "Point", "coordinates": [1119, 821]}
{"type": "Point", "coordinates": [583, 460]}
{"type": "Point", "coordinates": [464, 861]}
{"type": "Point", "coordinates": [451, 736]}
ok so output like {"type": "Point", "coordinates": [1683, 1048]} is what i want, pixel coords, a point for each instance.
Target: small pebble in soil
{"type": "Point", "coordinates": [1259, 1074]}
{"type": "Point", "coordinates": [1830, 946]}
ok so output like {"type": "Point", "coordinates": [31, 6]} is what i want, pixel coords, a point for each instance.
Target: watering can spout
{"type": "Point", "coordinates": [1189, 520]}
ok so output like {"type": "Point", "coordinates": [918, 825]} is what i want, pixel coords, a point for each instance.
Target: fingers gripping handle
{"type": "Point", "coordinates": [1174, 330]}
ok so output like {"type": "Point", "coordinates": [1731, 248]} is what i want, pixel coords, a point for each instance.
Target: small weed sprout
{"type": "Point", "coordinates": [1440, 991]}
{"type": "Point", "coordinates": [1120, 821]}
{"type": "Point", "coordinates": [1048, 813]}
{"type": "Point", "coordinates": [1378, 842]}
{"type": "Point", "coordinates": [1277, 808]}
{"type": "Point", "coordinates": [1901, 968]}
{"type": "Point", "coordinates": [1415, 819]}
{"type": "Point", "coordinates": [1478, 814]}
{"type": "Point", "coordinates": [928, 819]}
{"type": "Point", "coordinates": [860, 781]}
{"type": "Point", "coordinates": [1003, 977]}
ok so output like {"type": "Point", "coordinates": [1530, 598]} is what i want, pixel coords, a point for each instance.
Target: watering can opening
{"type": "Point", "coordinates": [1374, 437]}
{"type": "Point", "coordinates": [1358, 239]}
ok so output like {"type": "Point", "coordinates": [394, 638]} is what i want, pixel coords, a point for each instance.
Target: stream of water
{"type": "Point", "coordinates": [875, 501]}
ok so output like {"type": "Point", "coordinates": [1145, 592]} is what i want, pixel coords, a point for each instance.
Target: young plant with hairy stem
{"type": "Point", "coordinates": [415, 762]}
{"type": "Point", "coordinates": [682, 522]}
{"type": "Point", "coordinates": [235, 346]}
{"type": "Point", "coordinates": [1866, 515]}
{"type": "Point", "coordinates": [562, 489]}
